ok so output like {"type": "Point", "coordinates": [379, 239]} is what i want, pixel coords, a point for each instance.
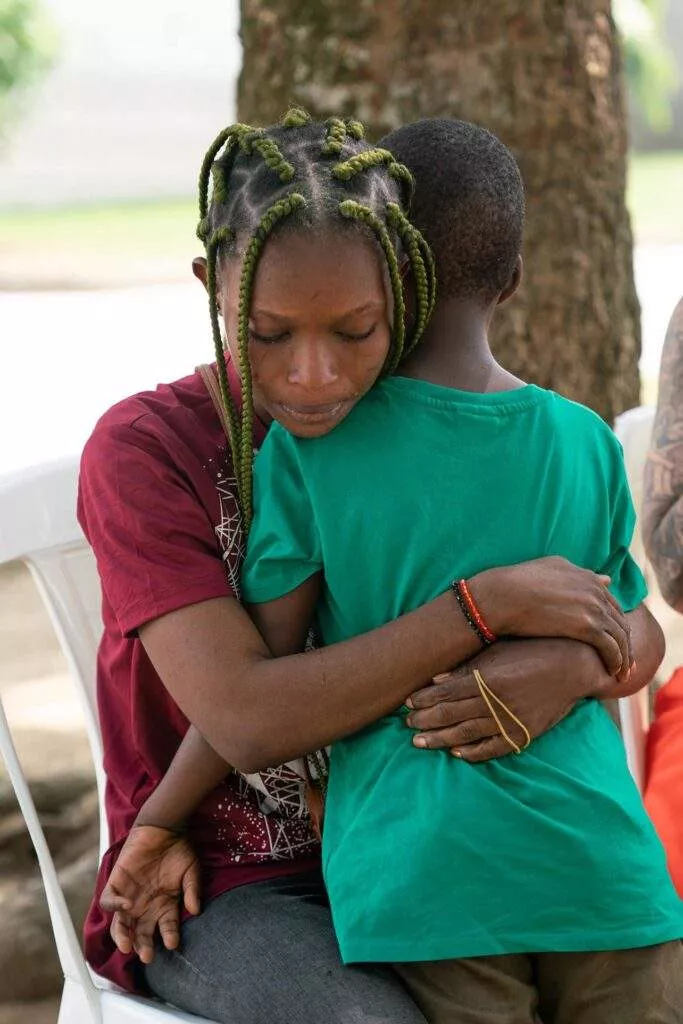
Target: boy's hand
{"type": "Point", "coordinates": [540, 681]}
{"type": "Point", "coordinates": [154, 871]}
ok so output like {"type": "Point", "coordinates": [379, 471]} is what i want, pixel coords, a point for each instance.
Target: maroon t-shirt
{"type": "Point", "coordinates": [157, 503]}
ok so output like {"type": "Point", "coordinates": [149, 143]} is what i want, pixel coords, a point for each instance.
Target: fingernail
{"type": "Point", "coordinates": [409, 703]}
{"type": "Point", "coordinates": [442, 676]}
{"type": "Point", "coordinates": [456, 753]}
{"type": "Point", "coordinates": [409, 721]}
{"type": "Point", "coordinates": [419, 741]}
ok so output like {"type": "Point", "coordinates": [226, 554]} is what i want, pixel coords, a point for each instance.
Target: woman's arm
{"type": "Point", "coordinates": [539, 680]}
{"type": "Point", "coordinates": [256, 710]}
{"type": "Point", "coordinates": [663, 499]}
{"type": "Point", "coordinates": [197, 769]}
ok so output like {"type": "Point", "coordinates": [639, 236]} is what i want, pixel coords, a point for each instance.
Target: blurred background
{"type": "Point", "coordinates": [105, 113]}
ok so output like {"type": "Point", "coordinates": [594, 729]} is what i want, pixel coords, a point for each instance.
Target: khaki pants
{"type": "Point", "coordinates": [629, 986]}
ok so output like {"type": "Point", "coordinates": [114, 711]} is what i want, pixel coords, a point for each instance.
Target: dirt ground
{"type": "Point", "coordinates": [30, 1013]}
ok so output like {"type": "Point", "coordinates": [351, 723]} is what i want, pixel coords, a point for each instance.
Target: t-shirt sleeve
{"type": "Point", "coordinates": [154, 542]}
{"type": "Point", "coordinates": [628, 583]}
{"type": "Point", "coordinates": [283, 549]}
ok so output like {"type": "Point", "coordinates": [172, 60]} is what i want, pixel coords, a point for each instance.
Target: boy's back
{"type": "Point", "coordinates": [419, 485]}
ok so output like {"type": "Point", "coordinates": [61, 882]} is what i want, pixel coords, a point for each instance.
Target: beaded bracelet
{"type": "Point", "coordinates": [472, 614]}
{"type": "Point", "coordinates": [475, 613]}
{"type": "Point", "coordinates": [468, 616]}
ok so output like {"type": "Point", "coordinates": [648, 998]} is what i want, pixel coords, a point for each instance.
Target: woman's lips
{"type": "Point", "coordinates": [314, 413]}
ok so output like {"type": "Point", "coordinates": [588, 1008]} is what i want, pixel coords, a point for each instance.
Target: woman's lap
{"type": "Point", "coordinates": [266, 954]}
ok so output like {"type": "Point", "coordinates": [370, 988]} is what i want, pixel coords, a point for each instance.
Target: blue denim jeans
{"type": "Point", "coordinates": [266, 954]}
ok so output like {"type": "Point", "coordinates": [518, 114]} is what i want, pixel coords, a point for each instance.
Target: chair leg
{"type": "Point", "coordinates": [78, 1006]}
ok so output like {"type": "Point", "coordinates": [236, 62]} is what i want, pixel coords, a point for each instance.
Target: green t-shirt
{"type": "Point", "coordinates": [427, 857]}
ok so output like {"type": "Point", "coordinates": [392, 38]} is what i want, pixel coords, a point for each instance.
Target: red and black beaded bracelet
{"type": "Point", "coordinates": [469, 608]}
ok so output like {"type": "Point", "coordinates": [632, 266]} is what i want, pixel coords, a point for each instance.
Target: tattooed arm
{"type": "Point", "coordinates": [663, 501]}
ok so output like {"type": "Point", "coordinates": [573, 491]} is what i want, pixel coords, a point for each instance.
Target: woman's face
{"type": "Point", "coordinates": [319, 329]}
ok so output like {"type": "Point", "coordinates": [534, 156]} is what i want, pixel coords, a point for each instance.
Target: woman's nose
{"type": "Point", "coordinates": [312, 366]}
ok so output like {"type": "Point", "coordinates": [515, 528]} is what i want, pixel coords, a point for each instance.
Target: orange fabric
{"type": "Point", "coordinates": [664, 773]}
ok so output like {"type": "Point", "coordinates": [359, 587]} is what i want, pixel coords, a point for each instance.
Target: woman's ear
{"type": "Point", "coordinates": [514, 282]}
{"type": "Point", "coordinates": [199, 269]}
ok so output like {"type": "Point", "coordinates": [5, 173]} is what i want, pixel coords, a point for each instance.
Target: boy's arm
{"type": "Point", "coordinates": [197, 769]}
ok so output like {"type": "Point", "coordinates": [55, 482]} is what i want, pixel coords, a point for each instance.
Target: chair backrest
{"type": "Point", "coordinates": [634, 430]}
{"type": "Point", "coordinates": [38, 526]}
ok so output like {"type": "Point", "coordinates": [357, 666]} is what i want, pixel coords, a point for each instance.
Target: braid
{"type": "Point", "coordinates": [335, 137]}
{"type": "Point", "coordinates": [229, 135]}
{"type": "Point", "coordinates": [361, 162]}
{"type": "Point", "coordinates": [373, 158]}
{"type": "Point", "coordinates": [296, 117]}
{"type": "Point", "coordinates": [405, 179]}
{"type": "Point", "coordinates": [244, 455]}
{"type": "Point", "coordinates": [270, 151]}
{"type": "Point", "coordinates": [219, 194]}
{"type": "Point", "coordinates": [356, 211]}
{"type": "Point", "coordinates": [221, 236]}
{"type": "Point", "coordinates": [355, 129]}
{"type": "Point", "coordinates": [422, 265]}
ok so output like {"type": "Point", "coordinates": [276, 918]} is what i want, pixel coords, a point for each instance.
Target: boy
{"type": "Point", "coordinates": [457, 457]}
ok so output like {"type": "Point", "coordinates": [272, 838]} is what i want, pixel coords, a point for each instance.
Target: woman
{"type": "Point", "coordinates": [159, 503]}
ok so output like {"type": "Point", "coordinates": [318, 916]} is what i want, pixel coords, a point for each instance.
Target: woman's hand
{"type": "Point", "coordinates": [156, 869]}
{"type": "Point", "coordinates": [550, 597]}
{"type": "Point", "coordinates": [540, 681]}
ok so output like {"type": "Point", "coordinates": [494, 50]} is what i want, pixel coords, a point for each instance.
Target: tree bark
{"type": "Point", "coordinates": [546, 77]}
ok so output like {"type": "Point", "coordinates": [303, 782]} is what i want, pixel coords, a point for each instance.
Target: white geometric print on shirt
{"type": "Point", "coordinates": [229, 531]}
{"type": "Point", "coordinates": [273, 815]}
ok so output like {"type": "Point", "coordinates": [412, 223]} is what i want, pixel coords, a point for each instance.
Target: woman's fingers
{"type": "Point", "coordinates": [446, 713]}
{"type": "Point", "coordinates": [169, 928]}
{"type": "Point", "coordinates": [452, 686]}
{"type": "Point", "coordinates": [467, 733]}
{"type": "Point", "coordinates": [485, 750]}
{"type": "Point", "coordinates": [111, 901]}
{"type": "Point", "coordinates": [121, 931]}
{"type": "Point", "coordinates": [144, 937]}
{"type": "Point", "coordinates": [191, 883]}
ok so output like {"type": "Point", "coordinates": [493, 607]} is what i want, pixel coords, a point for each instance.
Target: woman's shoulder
{"type": "Point", "coordinates": [156, 408]}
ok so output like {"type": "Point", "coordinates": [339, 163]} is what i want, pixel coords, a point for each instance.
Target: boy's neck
{"type": "Point", "coordinates": [455, 352]}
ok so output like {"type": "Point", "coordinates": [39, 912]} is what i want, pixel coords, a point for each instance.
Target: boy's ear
{"type": "Point", "coordinates": [514, 282]}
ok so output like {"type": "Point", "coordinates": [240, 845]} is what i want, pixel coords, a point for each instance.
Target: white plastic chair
{"type": "Point", "coordinates": [38, 526]}
{"type": "Point", "coordinates": [634, 430]}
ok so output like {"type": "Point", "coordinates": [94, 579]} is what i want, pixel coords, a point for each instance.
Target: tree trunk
{"type": "Point", "coordinates": [546, 77]}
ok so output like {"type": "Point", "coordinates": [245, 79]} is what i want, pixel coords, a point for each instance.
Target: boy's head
{"type": "Point", "coordinates": [468, 203]}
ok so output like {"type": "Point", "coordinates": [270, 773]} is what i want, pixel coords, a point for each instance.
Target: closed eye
{"type": "Point", "coordinates": [268, 339]}
{"type": "Point", "coordinates": [357, 337]}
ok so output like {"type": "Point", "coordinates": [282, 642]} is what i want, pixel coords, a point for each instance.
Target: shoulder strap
{"type": "Point", "coordinates": [210, 378]}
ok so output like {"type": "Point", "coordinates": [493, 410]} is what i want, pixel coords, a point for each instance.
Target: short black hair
{"type": "Point", "coordinates": [468, 203]}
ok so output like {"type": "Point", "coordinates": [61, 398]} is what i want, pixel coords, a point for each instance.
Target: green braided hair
{"type": "Point", "coordinates": [301, 175]}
